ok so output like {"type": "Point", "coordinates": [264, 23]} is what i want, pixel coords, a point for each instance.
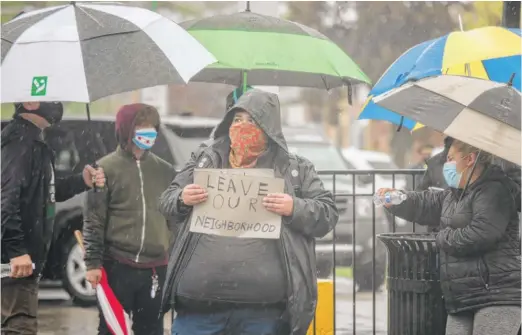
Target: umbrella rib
{"type": "Point", "coordinates": [325, 83]}
{"type": "Point", "coordinates": [85, 39]}
{"type": "Point", "coordinates": [455, 101]}
{"type": "Point", "coordinates": [89, 15]}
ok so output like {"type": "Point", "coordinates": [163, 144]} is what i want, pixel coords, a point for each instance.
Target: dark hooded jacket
{"type": "Point", "coordinates": [27, 195]}
{"type": "Point", "coordinates": [122, 221]}
{"type": "Point", "coordinates": [433, 176]}
{"type": "Point", "coordinates": [314, 214]}
{"type": "Point", "coordinates": [479, 241]}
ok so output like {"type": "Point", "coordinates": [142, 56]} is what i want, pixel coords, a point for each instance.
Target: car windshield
{"type": "Point", "coordinates": [186, 140]}
{"type": "Point", "coordinates": [385, 165]}
{"type": "Point", "coordinates": [189, 145]}
{"type": "Point", "coordinates": [323, 156]}
{"type": "Point", "coordinates": [380, 165]}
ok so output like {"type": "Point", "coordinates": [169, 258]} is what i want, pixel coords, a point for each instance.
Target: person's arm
{"type": "Point", "coordinates": [421, 207]}
{"type": "Point", "coordinates": [68, 187]}
{"type": "Point", "coordinates": [170, 174]}
{"type": "Point", "coordinates": [492, 208]}
{"type": "Point", "coordinates": [170, 204]}
{"type": "Point", "coordinates": [16, 173]}
{"type": "Point", "coordinates": [94, 221]}
{"type": "Point", "coordinates": [315, 213]}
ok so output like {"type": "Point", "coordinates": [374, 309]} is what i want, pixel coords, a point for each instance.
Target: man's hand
{"type": "Point", "coordinates": [382, 191]}
{"type": "Point", "coordinates": [93, 276]}
{"type": "Point", "coordinates": [93, 177]}
{"type": "Point", "coordinates": [193, 194]}
{"type": "Point", "coordinates": [279, 203]}
{"type": "Point", "coordinates": [21, 266]}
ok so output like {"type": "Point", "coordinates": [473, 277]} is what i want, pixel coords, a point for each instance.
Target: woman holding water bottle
{"type": "Point", "coordinates": [478, 241]}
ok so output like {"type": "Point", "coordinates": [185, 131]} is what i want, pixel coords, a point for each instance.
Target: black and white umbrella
{"type": "Point", "coordinates": [482, 113]}
{"type": "Point", "coordinates": [85, 51]}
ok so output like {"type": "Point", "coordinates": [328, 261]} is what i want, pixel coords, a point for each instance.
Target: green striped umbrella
{"type": "Point", "coordinates": [271, 52]}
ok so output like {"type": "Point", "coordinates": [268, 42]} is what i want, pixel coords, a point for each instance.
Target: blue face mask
{"type": "Point", "coordinates": [145, 138]}
{"type": "Point", "coordinates": [451, 175]}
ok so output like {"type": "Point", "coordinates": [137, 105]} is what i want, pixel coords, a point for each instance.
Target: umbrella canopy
{"type": "Point", "coordinates": [84, 51]}
{"type": "Point", "coordinates": [479, 112]}
{"type": "Point", "coordinates": [115, 316]}
{"type": "Point", "coordinates": [489, 53]}
{"type": "Point", "coordinates": [271, 51]}
{"type": "Point", "coordinates": [118, 321]}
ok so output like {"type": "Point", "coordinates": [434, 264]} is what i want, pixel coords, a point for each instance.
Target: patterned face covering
{"type": "Point", "coordinates": [247, 142]}
{"type": "Point", "coordinates": [145, 138]}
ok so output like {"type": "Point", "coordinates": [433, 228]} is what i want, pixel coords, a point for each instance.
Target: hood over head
{"type": "Point", "coordinates": [265, 110]}
{"type": "Point", "coordinates": [126, 121]}
{"type": "Point", "coordinates": [52, 112]}
{"type": "Point", "coordinates": [233, 96]}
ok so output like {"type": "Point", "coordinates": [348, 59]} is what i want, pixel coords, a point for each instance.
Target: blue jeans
{"type": "Point", "coordinates": [232, 322]}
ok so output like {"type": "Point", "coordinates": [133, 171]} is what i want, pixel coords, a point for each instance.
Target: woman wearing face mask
{"type": "Point", "coordinates": [247, 286]}
{"type": "Point", "coordinates": [479, 242]}
{"type": "Point", "coordinates": [123, 230]}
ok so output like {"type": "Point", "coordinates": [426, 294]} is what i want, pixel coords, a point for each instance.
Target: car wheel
{"type": "Point", "coordinates": [363, 277]}
{"type": "Point", "coordinates": [73, 275]}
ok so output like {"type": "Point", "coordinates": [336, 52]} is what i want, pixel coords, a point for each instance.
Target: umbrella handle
{"type": "Point", "coordinates": [79, 239]}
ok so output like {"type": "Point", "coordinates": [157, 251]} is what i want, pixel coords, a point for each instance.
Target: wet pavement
{"type": "Point", "coordinates": [58, 316]}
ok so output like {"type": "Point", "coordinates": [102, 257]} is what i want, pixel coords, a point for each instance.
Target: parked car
{"type": "Point", "coordinates": [374, 160]}
{"type": "Point", "coordinates": [314, 145]}
{"type": "Point", "coordinates": [74, 147]}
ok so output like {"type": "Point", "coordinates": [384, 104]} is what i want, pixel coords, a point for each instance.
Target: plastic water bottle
{"type": "Point", "coordinates": [6, 270]}
{"type": "Point", "coordinates": [394, 198]}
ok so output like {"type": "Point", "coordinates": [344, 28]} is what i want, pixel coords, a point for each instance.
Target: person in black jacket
{"type": "Point", "coordinates": [433, 176]}
{"type": "Point", "coordinates": [478, 242]}
{"type": "Point", "coordinates": [29, 192]}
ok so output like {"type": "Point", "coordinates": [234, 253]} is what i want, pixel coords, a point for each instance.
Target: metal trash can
{"type": "Point", "coordinates": [415, 303]}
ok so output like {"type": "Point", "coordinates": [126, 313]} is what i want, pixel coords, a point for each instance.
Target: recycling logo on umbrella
{"type": "Point", "coordinates": [39, 86]}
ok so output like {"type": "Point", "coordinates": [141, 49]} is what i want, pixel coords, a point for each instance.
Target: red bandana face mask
{"type": "Point", "coordinates": [247, 142]}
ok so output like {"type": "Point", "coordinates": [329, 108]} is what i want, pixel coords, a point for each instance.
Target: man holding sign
{"type": "Point", "coordinates": [249, 213]}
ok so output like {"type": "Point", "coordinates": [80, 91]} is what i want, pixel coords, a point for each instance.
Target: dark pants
{"type": "Point", "coordinates": [19, 306]}
{"type": "Point", "coordinates": [232, 322]}
{"type": "Point", "coordinates": [132, 287]}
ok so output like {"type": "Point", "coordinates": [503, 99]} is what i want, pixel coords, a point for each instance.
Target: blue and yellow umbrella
{"type": "Point", "coordinates": [492, 53]}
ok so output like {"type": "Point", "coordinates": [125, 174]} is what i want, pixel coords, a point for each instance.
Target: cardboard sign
{"type": "Point", "coordinates": [235, 203]}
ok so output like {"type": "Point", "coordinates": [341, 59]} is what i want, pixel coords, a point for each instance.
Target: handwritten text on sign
{"type": "Point", "coordinates": [235, 205]}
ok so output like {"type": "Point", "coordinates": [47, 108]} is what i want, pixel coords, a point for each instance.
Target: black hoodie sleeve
{"type": "Point", "coordinates": [95, 212]}
{"type": "Point", "coordinates": [16, 173]}
{"type": "Point", "coordinates": [68, 187]}
{"type": "Point", "coordinates": [424, 208]}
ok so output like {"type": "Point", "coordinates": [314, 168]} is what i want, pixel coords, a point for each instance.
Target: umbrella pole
{"type": "Point", "coordinates": [244, 81]}
{"type": "Point", "coordinates": [88, 110]}
{"type": "Point", "coordinates": [470, 175]}
{"type": "Point", "coordinates": [89, 124]}
{"type": "Point", "coordinates": [93, 139]}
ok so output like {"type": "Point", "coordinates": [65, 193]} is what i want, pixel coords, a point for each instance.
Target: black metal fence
{"type": "Point", "coordinates": [354, 188]}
